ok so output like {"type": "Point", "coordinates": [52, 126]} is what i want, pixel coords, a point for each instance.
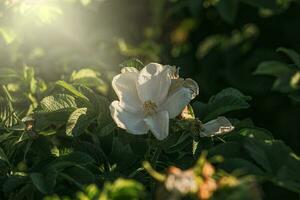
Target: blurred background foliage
{"type": "Point", "coordinates": [250, 45]}
{"type": "Point", "coordinates": [219, 43]}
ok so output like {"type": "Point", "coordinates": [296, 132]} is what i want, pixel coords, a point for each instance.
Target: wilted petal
{"type": "Point", "coordinates": [187, 83]}
{"type": "Point", "coordinates": [177, 101]}
{"type": "Point", "coordinates": [132, 122]}
{"type": "Point", "coordinates": [154, 82]}
{"type": "Point", "coordinates": [174, 72]}
{"type": "Point", "coordinates": [125, 87]}
{"type": "Point", "coordinates": [159, 124]}
{"type": "Point", "coordinates": [218, 126]}
{"type": "Point", "coordinates": [192, 85]}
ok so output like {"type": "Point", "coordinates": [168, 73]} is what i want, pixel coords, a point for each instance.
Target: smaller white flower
{"type": "Point", "coordinates": [148, 99]}
{"type": "Point", "coordinates": [181, 182]}
{"type": "Point", "coordinates": [215, 127]}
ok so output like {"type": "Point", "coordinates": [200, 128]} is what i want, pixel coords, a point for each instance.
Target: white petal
{"type": "Point", "coordinates": [176, 84]}
{"type": "Point", "coordinates": [154, 82]}
{"type": "Point", "coordinates": [129, 69]}
{"type": "Point", "coordinates": [125, 87]}
{"type": "Point", "coordinates": [177, 101]}
{"type": "Point", "coordinates": [218, 126]}
{"type": "Point", "coordinates": [132, 122]}
{"type": "Point", "coordinates": [159, 124]}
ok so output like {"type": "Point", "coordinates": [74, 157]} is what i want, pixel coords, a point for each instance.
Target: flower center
{"type": "Point", "coordinates": [149, 107]}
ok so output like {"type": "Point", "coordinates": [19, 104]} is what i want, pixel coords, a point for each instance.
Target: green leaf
{"type": "Point", "coordinates": [99, 105]}
{"type": "Point", "coordinates": [274, 68]}
{"type": "Point", "coordinates": [29, 76]}
{"type": "Point", "coordinates": [282, 72]}
{"type": "Point", "coordinates": [259, 134]}
{"type": "Point", "coordinates": [124, 189]}
{"type": "Point", "coordinates": [74, 122]}
{"type": "Point", "coordinates": [295, 96]}
{"type": "Point", "coordinates": [107, 129]}
{"type": "Point", "coordinates": [136, 63]}
{"type": "Point", "coordinates": [8, 75]}
{"type": "Point", "coordinates": [122, 153]}
{"type": "Point", "coordinates": [283, 83]}
{"type": "Point", "coordinates": [3, 156]}
{"type": "Point", "coordinates": [87, 77]}
{"type": "Point", "coordinates": [232, 164]}
{"type": "Point", "coordinates": [84, 73]}
{"type": "Point", "coordinates": [57, 102]}
{"type": "Point", "coordinates": [278, 160]}
{"type": "Point", "coordinates": [258, 153]}
{"type": "Point", "coordinates": [50, 178]}
{"type": "Point", "coordinates": [39, 182]}
{"type": "Point", "coordinates": [176, 142]}
{"type": "Point", "coordinates": [47, 133]}
{"type": "Point", "coordinates": [8, 116]}
{"type": "Point", "coordinates": [228, 10]}
{"type": "Point", "coordinates": [5, 136]}
{"type": "Point", "coordinates": [71, 89]}
{"type": "Point", "coordinates": [225, 101]}
{"type": "Point", "coordinates": [56, 108]}
{"type": "Point", "coordinates": [27, 191]}
{"type": "Point", "coordinates": [268, 4]}
{"type": "Point", "coordinates": [80, 174]}
{"type": "Point", "coordinates": [289, 175]}
{"type": "Point", "coordinates": [12, 183]}
{"type": "Point", "coordinates": [76, 157]}
{"type": "Point", "coordinates": [44, 182]}
{"type": "Point", "coordinates": [92, 152]}
{"type": "Point", "coordinates": [227, 150]}
{"type": "Point", "coordinates": [294, 56]}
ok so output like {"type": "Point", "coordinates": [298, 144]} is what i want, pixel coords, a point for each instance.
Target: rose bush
{"type": "Point", "coordinates": [79, 122]}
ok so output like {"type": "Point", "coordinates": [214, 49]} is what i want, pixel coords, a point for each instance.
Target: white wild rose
{"type": "Point", "coordinates": [149, 98]}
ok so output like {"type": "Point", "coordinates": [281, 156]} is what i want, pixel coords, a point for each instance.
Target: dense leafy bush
{"type": "Point", "coordinates": [58, 140]}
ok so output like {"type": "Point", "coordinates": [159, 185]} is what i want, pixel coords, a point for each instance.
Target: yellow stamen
{"type": "Point", "coordinates": [149, 107]}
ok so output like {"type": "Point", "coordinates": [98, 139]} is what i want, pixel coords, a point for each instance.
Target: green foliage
{"type": "Point", "coordinates": [7, 34]}
{"type": "Point", "coordinates": [294, 56]}
{"type": "Point", "coordinates": [71, 89]}
{"type": "Point", "coordinates": [228, 10]}
{"type": "Point", "coordinates": [87, 77]}
{"type": "Point", "coordinates": [132, 63]}
{"type": "Point", "coordinates": [7, 116]}
{"type": "Point", "coordinates": [270, 157]}
{"type": "Point", "coordinates": [120, 189]}
{"type": "Point", "coordinates": [74, 120]}
{"type": "Point", "coordinates": [57, 60]}
{"type": "Point", "coordinates": [287, 76]}
{"type": "Point", "coordinates": [225, 101]}
{"type": "Point", "coordinates": [123, 189]}
{"type": "Point", "coordinates": [58, 107]}
{"type": "Point", "coordinates": [45, 159]}
{"type": "Point", "coordinates": [3, 156]}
